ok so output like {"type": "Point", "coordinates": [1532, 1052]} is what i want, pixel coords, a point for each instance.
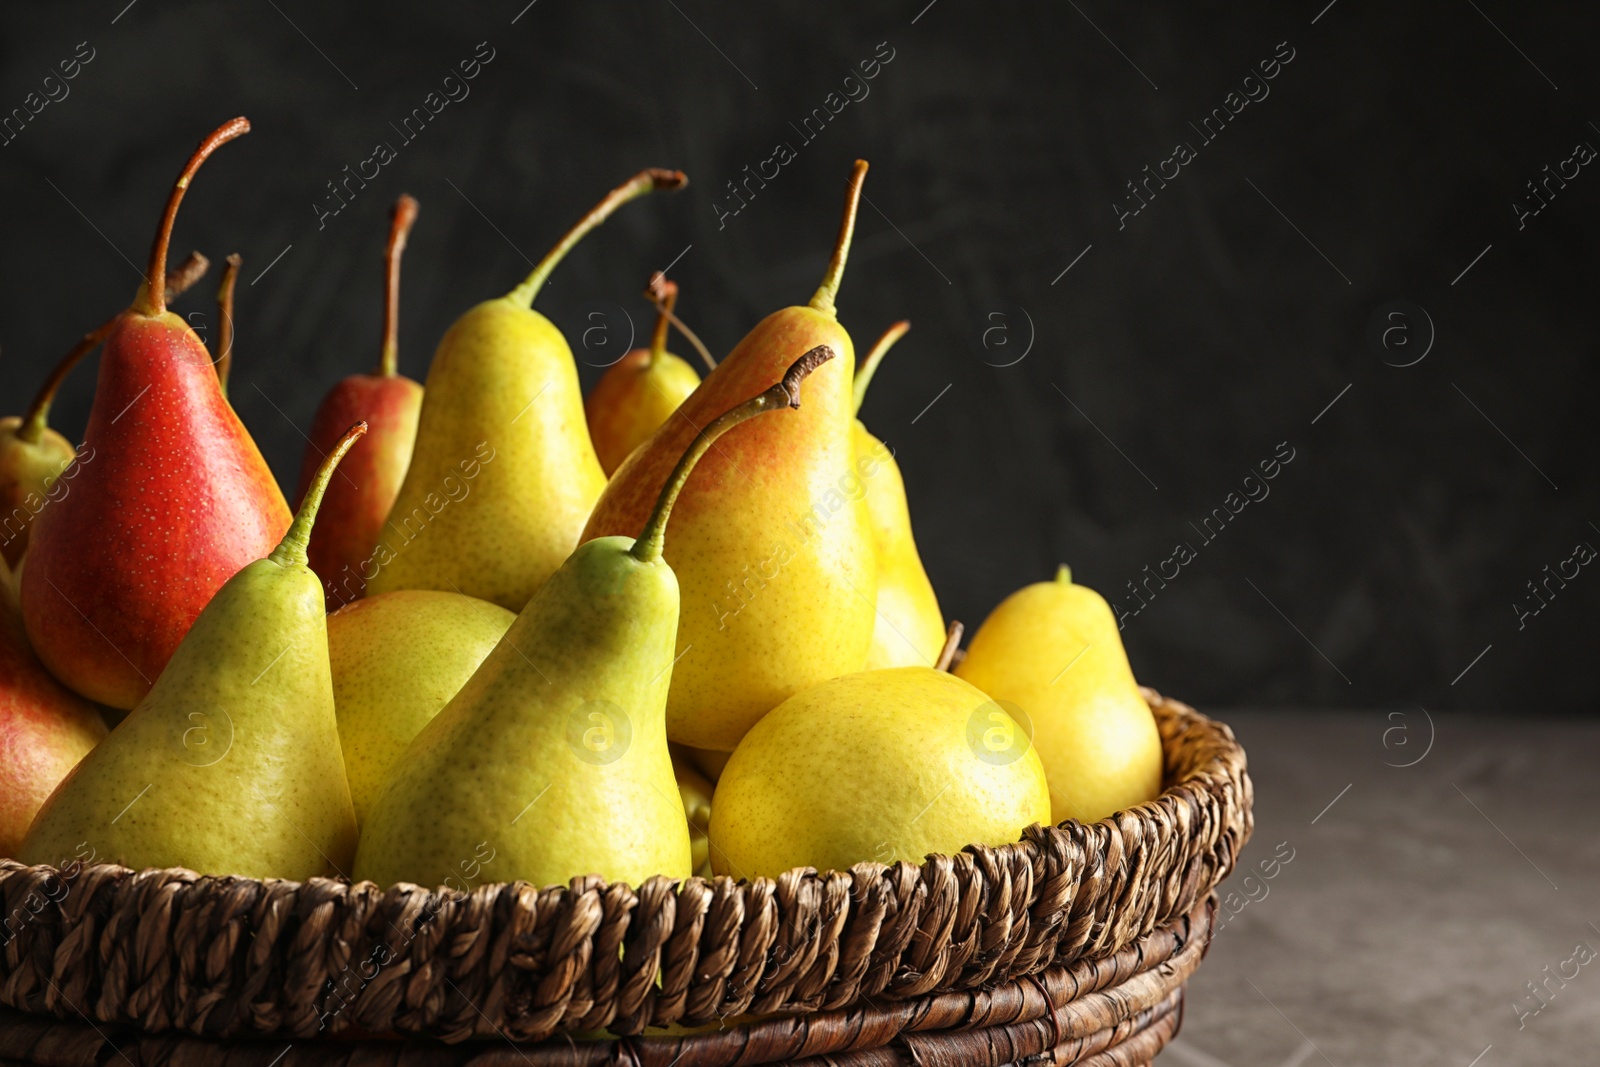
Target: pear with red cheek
{"type": "Point", "coordinates": [175, 502]}
{"type": "Point", "coordinates": [361, 494]}
{"type": "Point", "coordinates": [32, 455]}
{"type": "Point", "coordinates": [45, 728]}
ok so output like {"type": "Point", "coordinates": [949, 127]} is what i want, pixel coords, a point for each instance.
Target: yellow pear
{"type": "Point", "coordinates": [551, 762]}
{"type": "Point", "coordinates": [397, 659]}
{"type": "Point", "coordinates": [1052, 649]}
{"type": "Point", "coordinates": [773, 551]}
{"type": "Point", "coordinates": [909, 631]}
{"type": "Point", "coordinates": [230, 764]}
{"type": "Point", "coordinates": [882, 765]}
{"type": "Point", "coordinates": [503, 473]}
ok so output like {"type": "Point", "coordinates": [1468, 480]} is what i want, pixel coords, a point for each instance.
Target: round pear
{"type": "Point", "coordinates": [397, 659]}
{"type": "Point", "coordinates": [882, 766]}
{"type": "Point", "coordinates": [1052, 649]}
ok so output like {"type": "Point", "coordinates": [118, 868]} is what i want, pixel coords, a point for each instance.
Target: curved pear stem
{"type": "Point", "coordinates": [952, 641]}
{"type": "Point", "coordinates": [646, 181]}
{"type": "Point", "coordinates": [230, 275]}
{"type": "Point", "coordinates": [292, 549]}
{"type": "Point", "coordinates": [37, 418]}
{"type": "Point", "coordinates": [869, 365]}
{"type": "Point", "coordinates": [664, 295]}
{"type": "Point", "coordinates": [688, 334]}
{"type": "Point", "coordinates": [786, 394]}
{"type": "Point", "coordinates": [824, 296]}
{"type": "Point", "coordinates": [152, 296]}
{"type": "Point", "coordinates": [400, 220]}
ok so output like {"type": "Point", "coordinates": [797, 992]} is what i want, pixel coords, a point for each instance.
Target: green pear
{"type": "Point", "coordinates": [882, 766]}
{"type": "Point", "coordinates": [552, 762]}
{"type": "Point", "coordinates": [503, 474]}
{"type": "Point", "coordinates": [1053, 650]}
{"type": "Point", "coordinates": [230, 764]}
{"type": "Point", "coordinates": [397, 659]}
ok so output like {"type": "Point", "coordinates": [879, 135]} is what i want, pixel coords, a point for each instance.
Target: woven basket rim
{"type": "Point", "coordinates": [591, 955]}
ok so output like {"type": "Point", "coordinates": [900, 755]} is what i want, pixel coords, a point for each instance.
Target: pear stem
{"type": "Point", "coordinates": [400, 220]}
{"type": "Point", "coordinates": [688, 334]}
{"type": "Point", "coordinates": [869, 365]}
{"type": "Point", "coordinates": [952, 641]}
{"type": "Point", "coordinates": [1064, 574]}
{"type": "Point", "coordinates": [230, 275]}
{"type": "Point", "coordinates": [664, 294]}
{"type": "Point", "coordinates": [37, 418]}
{"type": "Point", "coordinates": [646, 181]}
{"type": "Point", "coordinates": [823, 299]}
{"type": "Point", "coordinates": [152, 296]}
{"type": "Point", "coordinates": [786, 394]}
{"type": "Point", "coordinates": [292, 549]}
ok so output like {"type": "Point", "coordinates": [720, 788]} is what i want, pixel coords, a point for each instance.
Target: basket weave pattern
{"type": "Point", "coordinates": [160, 950]}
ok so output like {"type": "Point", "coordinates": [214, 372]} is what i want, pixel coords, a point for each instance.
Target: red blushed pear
{"type": "Point", "coordinates": [358, 500]}
{"type": "Point", "coordinates": [770, 543]}
{"type": "Point", "coordinates": [45, 728]}
{"type": "Point", "coordinates": [32, 455]}
{"type": "Point", "coordinates": [176, 500]}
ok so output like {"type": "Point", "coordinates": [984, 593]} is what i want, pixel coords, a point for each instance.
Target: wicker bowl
{"type": "Point", "coordinates": [1071, 946]}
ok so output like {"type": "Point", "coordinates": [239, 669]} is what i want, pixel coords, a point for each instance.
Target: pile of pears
{"type": "Point", "coordinates": [507, 633]}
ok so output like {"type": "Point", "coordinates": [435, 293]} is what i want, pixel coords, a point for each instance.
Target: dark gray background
{"type": "Point", "coordinates": [1190, 343]}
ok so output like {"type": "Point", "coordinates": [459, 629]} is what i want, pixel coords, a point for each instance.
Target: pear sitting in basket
{"type": "Point", "coordinates": [1052, 650]}
{"type": "Point", "coordinates": [883, 765]}
{"type": "Point", "coordinates": [231, 763]}
{"type": "Point", "coordinates": [552, 759]}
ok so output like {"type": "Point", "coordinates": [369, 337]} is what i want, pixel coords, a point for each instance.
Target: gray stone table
{"type": "Point", "coordinates": [1428, 887]}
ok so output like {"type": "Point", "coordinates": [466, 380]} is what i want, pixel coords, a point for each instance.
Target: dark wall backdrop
{"type": "Point", "coordinates": [1094, 415]}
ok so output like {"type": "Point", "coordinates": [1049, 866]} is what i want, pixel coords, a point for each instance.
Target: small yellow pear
{"type": "Point", "coordinates": [1052, 649]}
{"type": "Point", "coordinates": [878, 766]}
{"type": "Point", "coordinates": [397, 659]}
{"type": "Point", "coordinates": [909, 628]}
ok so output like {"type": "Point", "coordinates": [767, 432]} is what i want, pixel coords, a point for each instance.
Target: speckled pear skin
{"type": "Point", "coordinates": [397, 660]}
{"type": "Point", "coordinates": [1052, 649]}
{"type": "Point", "coordinates": [45, 728]}
{"type": "Point", "coordinates": [877, 766]}
{"type": "Point", "coordinates": [518, 767]}
{"type": "Point", "coordinates": [632, 399]}
{"type": "Point", "coordinates": [231, 763]}
{"type": "Point", "coordinates": [774, 601]}
{"type": "Point", "coordinates": [170, 499]}
{"type": "Point", "coordinates": [909, 628]}
{"type": "Point", "coordinates": [502, 399]}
